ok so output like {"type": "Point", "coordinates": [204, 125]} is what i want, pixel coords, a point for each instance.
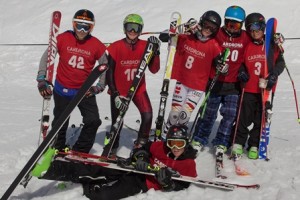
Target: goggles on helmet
{"type": "Point", "coordinates": [209, 26]}
{"type": "Point", "coordinates": [232, 24]}
{"type": "Point", "coordinates": [257, 27]}
{"type": "Point", "coordinates": [82, 26]}
{"type": "Point", "coordinates": [133, 27]}
{"type": "Point", "coordinates": [178, 143]}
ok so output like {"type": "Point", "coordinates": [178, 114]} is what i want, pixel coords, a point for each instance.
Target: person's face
{"type": "Point", "coordinates": [257, 31]}
{"type": "Point", "coordinates": [82, 29]}
{"type": "Point", "coordinates": [133, 30]}
{"type": "Point", "coordinates": [177, 146]}
{"type": "Point", "coordinates": [233, 26]}
{"type": "Point", "coordinates": [208, 28]}
{"type": "Point", "coordinates": [177, 152]}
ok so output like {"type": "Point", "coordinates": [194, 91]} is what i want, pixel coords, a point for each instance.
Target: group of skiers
{"type": "Point", "coordinates": [198, 60]}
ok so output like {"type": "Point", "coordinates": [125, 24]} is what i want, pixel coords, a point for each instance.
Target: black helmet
{"type": "Point", "coordinates": [213, 17]}
{"type": "Point", "coordinates": [178, 132]}
{"type": "Point", "coordinates": [84, 16]}
{"type": "Point", "coordinates": [255, 18]}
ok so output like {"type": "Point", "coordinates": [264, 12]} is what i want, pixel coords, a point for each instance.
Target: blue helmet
{"type": "Point", "coordinates": [235, 13]}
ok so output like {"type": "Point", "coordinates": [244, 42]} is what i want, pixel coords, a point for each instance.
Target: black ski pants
{"type": "Point", "coordinates": [90, 118]}
{"type": "Point", "coordinates": [250, 120]}
{"type": "Point", "coordinates": [98, 182]}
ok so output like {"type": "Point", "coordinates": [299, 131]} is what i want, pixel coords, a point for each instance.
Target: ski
{"type": "Point", "coordinates": [124, 164]}
{"type": "Point", "coordinates": [172, 43]}
{"type": "Point", "coordinates": [145, 60]}
{"type": "Point", "coordinates": [219, 166]}
{"type": "Point", "coordinates": [267, 94]}
{"type": "Point", "coordinates": [43, 147]}
{"type": "Point", "coordinates": [52, 50]}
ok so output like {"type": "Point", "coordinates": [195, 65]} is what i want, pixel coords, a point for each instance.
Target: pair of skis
{"type": "Point", "coordinates": [124, 164]}
{"type": "Point", "coordinates": [267, 94]}
{"type": "Point", "coordinates": [175, 21]}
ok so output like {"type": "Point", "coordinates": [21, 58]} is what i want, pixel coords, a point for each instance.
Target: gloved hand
{"type": "Point", "coordinates": [243, 75]}
{"type": "Point", "coordinates": [141, 165]}
{"type": "Point", "coordinates": [155, 41]}
{"type": "Point", "coordinates": [191, 26]}
{"type": "Point", "coordinates": [222, 68]}
{"type": "Point", "coordinates": [140, 158]}
{"type": "Point", "coordinates": [44, 86]}
{"type": "Point", "coordinates": [121, 103]}
{"type": "Point", "coordinates": [94, 90]}
{"type": "Point", "coordinates": [163, 177]}
{"type": "Point", "coordinates": [272, 79]}
{"type": "Point", "coordinates": [278, 39]}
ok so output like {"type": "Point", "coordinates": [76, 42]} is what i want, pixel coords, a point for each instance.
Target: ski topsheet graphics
{"type": "Point", "coordinates": [267, 94]}
{"type": "Point", "coordinates": [172, 43]}
{"type": "Point", "coordinates": [52, 50]}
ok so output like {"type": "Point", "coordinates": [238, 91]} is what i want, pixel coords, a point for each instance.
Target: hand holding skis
{"type": "Point", "coordinates": [94, 90]}
{"type": "Point", "coordinates": [164, 178]}
{"type": "Point", "coordinates": [44, 86]}
{"type": "Point", "coordinates": [155, 41]}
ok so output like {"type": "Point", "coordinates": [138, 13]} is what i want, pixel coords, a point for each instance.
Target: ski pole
{"type": "Point", "coordinates": [293, 85]}
{"type": "Point", "coordinates": [238, 117]}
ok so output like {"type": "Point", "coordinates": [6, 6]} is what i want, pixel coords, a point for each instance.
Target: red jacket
{"type": "Point", "coordinates": [127, 59]}
{"type": "Point", "coordinates": [237, 46]}
{"type": "Point", "coordinates": [160, 156]}
{"type": "Point", "coordinates": [76, 58]}
{"type": "Point", "coordinates": [255, 61]}
{"type": "Point", "coordinates": [193, 61]}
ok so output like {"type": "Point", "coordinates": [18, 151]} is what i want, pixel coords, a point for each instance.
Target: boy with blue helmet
{"type": "Point", "coordinates": [225, 93]}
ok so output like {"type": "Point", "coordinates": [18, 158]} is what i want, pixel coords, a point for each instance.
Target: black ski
{"type": "Point", "coordinates": [25, 172]}
{"type": "Point", "coordinates": [146, 59]}
{"type": "Point", "coordinates": [172, 43]}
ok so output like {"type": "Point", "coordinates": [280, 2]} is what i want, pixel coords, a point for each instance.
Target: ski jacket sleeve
{"type": "Point", "coordinates": [279, 65]}
{"type": "Point", "coordinates": [43, 64]}
{"type": "Point", "coordinates": [102, 78]}
{"type": "Point", "coordinates": [155, 65]}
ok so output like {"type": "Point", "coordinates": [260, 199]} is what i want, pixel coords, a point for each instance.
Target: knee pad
{"type": "Point", "coordinates": [184, 116]}
{"type": "Point", "coordinates": [173, 117]}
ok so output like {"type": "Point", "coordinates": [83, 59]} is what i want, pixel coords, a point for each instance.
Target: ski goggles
{"type": "Point", "coordinates": [178, 143]}
{"type": "Point", "coordinates": [257, 27]}
{"type": "Point", "coordinates": [232, 24]}
{"type": "Point", "coordinates": [133, 27]}
{"type": "Point", "coordinates": [209, 26]}
{"type": "Point", "coordinates": [80, 26]}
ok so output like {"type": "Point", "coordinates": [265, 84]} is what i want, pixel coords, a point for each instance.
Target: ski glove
{"type": "Point", "coordinates": [94, 90]}
{"type": "Point", "coordinates": [222, 68]}
{"type": "Point", "coordinates": [278, 39]}
{"type": "Point", "coordinates": [164, 178]}
{"type": "Point", "coordinates": [243, 75]}
{"type": "Point", "coordinates": [121, 103]}
{"type": "Point", "coordinates": [44, 86]}
{"type": "Point", "coordinates": [156, 41]}
{"type": "Point", "coordinates": [272, 79]}
{"type": "Point", "coordinates": [140, 159]}
{"type": "Point", "coordinates": [191, 26]}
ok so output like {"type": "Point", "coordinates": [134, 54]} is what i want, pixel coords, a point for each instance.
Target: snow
{"type": "Point", "coordinates": [28, 22]}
